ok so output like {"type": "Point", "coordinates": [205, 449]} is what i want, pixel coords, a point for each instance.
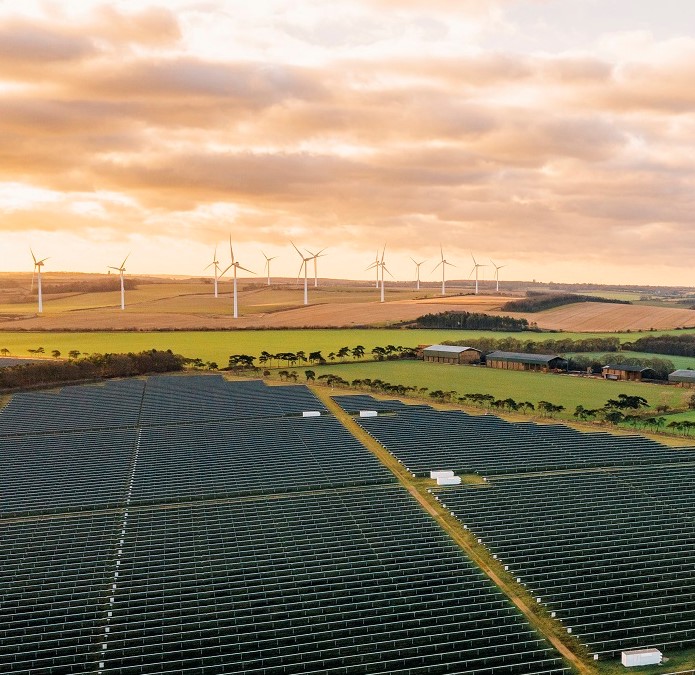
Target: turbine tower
{"type": "Point", "coordinates": [443, 263]}
{"type": "Point", "coordinates": [215, 264]}
{"type": "Point", "coordinates": [235, 266]}
{"type": "Point", "coordinates": [121, 272]}
{"type": "Point", "coordinates": [380, 265]}
{"type": "Point", "coordinates": [315, 257]}
{"type": "Point", "coordinates": [267, 265]}
{"type": "Point", "coordinates": [476, 265]}
{"type": "Point", "coordinates": [38, 264]}
{"type": "Point", "coordinates": [305, 265]}
{"type": "Point", "coordinates": [417, 267]}
{"type": "Point", "coordinates": [497, 274]}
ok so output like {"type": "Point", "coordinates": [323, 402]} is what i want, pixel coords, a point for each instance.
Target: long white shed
{"type": "Point", "coordinates": [641, 657]}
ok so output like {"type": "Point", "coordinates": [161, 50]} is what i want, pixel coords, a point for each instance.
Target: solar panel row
{"type": "Point", "coordinates": [158, 400]}
{"type": "Point", "coordinates": [610, 552]}
{"type": "Point", "coordinates": [424, 439]}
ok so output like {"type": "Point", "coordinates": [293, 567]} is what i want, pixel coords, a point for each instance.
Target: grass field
{"type": "Point", "coordinates": [565, 390]}
{"type": "Point", "coordinates": [218, 345]}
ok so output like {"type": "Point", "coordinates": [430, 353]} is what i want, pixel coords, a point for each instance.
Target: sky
{"type": "Point", "coordinates": [555, 137]}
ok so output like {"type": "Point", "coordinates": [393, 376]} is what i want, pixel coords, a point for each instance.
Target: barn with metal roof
{"type": "Point", "coordinates": [520, 361]}
{"type": "Point", "coordinates": [451, 354]}
{"type": "Point", "coordinates": [621, 371]}
{"type": "Point", "coordinates": [683, 378]}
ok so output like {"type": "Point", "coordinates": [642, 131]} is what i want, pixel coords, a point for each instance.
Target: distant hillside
{"type": "Point", "coordinates": [539, 302]}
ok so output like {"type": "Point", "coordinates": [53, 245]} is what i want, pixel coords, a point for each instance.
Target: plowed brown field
{"type": "Point", "coordinates": [598, 317]}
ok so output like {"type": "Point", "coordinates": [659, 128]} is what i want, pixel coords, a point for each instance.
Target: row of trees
{"type": "Point", "coordinates": [94, 366]}
{"type": "Point", "coordinates": [538, 302]}
{"type": "Point", "coordinates": [550, 346]}
{"type": "Point", "coordinates": [472, 321]}
{"type": "Point", "coordinates": [674, 345]}
{"type": "Point", "coordinates": [266, 359]}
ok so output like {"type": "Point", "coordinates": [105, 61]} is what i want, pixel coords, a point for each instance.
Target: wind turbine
{"type": "Point", "coordinates": [236, 266]}
{"type": "Point", "coordinates": [376, 264]}
{"type": "Point", "coordinates": [38, 264]}
{"type": "Point", "coordinates": [443, 263]}
{"type": "Point", "coordinates": [497, 274]}
{"type": "Point", "coordinates": [267, 264]}
{"type": "Point", "coordinates": [305, 265]}
{"type": "Point", "coordinates": [381, 265]}
{"type": "Point", "coordinates": [476, 265]}
{"type": "Point", "coordinates": [215, 264]}
{"type": "Point", "coordinates": [417, 266]}
{"type": "Point", "coordinates": [315, 257]}
{"type": "Point", "coordinates": [121, 272]}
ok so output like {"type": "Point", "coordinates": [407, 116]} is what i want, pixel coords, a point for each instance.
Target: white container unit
{"type": "Point", "coordinates": [449, 480]}
{"type": "Point", "coordinates": [311, 413]}
{"type": "Point", "coordinates": [441, 474]}
{"type": "Point", "coordinates": [368, 413]}
{"type": "Point", "coordinates": [641, 657]}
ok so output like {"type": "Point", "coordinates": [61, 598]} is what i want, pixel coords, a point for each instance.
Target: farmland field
{"type": "Point", "coordinates": [569, 391]}
{"type": "Point", "coordinates": [677, 361]}
{"type": "Point", "coordinates": [218, 345]}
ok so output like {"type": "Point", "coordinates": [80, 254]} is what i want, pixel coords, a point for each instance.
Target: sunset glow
{"type": "Point", "coordinates": [554, 136]}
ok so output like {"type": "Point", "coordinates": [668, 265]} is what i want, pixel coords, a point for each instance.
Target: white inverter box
{"type": "Point", "coordinates": [437, 474]}
{"type": "Point", "coordinates": [641, 657]}
{"type": "Point", "coordinates": [449, 480]}
{"type": "Point", "coordinates": [311, 413]}
{"type": "Point", "coordinates": [368, 413]}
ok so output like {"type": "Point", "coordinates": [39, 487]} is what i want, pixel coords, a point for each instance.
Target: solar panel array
{"type": "Point", "coordinates": [610, 552]}
{"type": "Point", "coordinates": [359, 582]}
{"type": "Point", "coordinates": [174, 545]}
{"type": "Point", "coordinates": [425, 439]}
{"type": "Point", "coordinates": [53, 576]}
{"type": "Point", "coordinates": [115, 403]}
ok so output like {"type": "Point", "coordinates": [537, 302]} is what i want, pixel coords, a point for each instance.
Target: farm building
{"type": "Point", "coordinates": [683, 378]}
{"type": "Point", "coordinates": [451, 354]}
{"type": "Point", "coordinates": [518, 361]}
{"type": "Point", "coordinates": [625, 372]}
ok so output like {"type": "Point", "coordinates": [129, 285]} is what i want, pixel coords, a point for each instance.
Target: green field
{"type": "Point", "coordinates": [218, 345]}
{"type": "Point", "coordinates": [566, 390]}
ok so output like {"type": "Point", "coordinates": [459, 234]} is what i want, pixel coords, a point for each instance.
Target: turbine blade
{"type": "Point", "coordinates": [226, 269]}
{"type": "Point", "coordinates": [438, 264]}
{"type": "Point", "coordinates": [441, 250]}
{"type": "Point", "coordinates": [298, 251]}
{"type": "Point", "coordinates": [372, 266]}
{"type": "Point", "coordinates": [124, 259]}
{"type": "Point", "coordinates": [446, 262]}
{"type": "Point", "coordinates": [243, 268]}
{"type": "Point", "coordinates": [231, 250]}
{"type": "Point", "coordinates": [391, 275]}
{"type": "Point", "coordinates": [33, 256]}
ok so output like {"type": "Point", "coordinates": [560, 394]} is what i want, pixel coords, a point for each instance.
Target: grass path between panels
{"type": "Point", "coordinates": [539, 619]}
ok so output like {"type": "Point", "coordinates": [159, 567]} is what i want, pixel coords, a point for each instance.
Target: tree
{"type": "Point", "coordinates": [343, 352]}
{"type": "Point", "coordinates": [331, 356]}
{"type": "Point", "coordinates": [357, 352]}
{"type": "Point", "coordinates": [691, 402]}
{"type": "Point", "coordinates": [310, 375]}
{"type": "Point", "coordinates": [74, 353]}
{"type": "Point", "coordinates": [613, 416]}
{"type": "Point", "coordinates": [316, 357]}
{"type": "Point", "coordinates": [283, 374]}
{"type": "Point", "coordinates": [292, 376]}
{"type": "Point", "coordinates": [55, 354]}
{"type": "Point", "coordinates": [379, 353]}
{"type": "Point", "coordinates": [625, 402]}
{"type": "Point", "coordinates": [5, 351]}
